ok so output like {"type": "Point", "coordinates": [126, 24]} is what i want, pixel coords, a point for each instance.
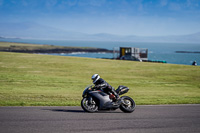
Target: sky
{"type": "Point", "coordinates": [119, 17]}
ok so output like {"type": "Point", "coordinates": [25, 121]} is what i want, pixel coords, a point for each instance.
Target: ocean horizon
{"type": "Point", "coordinates": [156, 51]}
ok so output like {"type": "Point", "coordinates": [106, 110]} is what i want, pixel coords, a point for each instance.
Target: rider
{"type": "Point", "coordinates": [100, 83]}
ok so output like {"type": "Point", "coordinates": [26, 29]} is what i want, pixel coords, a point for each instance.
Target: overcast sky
{"type": "Point", "coordinates": [121, 17]}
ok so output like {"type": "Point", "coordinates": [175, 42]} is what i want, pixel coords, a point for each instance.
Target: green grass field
{"type": "Point", "coordinates": [45, 80]}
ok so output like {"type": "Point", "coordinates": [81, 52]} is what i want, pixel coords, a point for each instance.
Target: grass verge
{"type": "Point", "coordinates": [45, 80]}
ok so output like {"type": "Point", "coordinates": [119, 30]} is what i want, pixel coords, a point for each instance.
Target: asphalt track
{"type": "Point", "coordinates": [145, 119]}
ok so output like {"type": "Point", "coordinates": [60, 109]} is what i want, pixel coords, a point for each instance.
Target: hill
{"type": "Point", "coordinates": [45, 80]}
{"type": "Point", "coordinates": [30, 30]}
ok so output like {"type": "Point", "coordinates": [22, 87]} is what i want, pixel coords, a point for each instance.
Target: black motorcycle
{"type": "Point", "coordinates": [95, 99]}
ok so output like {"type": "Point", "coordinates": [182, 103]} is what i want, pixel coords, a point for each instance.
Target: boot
{"type": "Point", "coordinates": [117, 101]}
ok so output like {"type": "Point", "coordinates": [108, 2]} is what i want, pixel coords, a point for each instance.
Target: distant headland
{"type": "Point", "coordinates": [196, 52]}
{"type": "Point", "coordinates": [37, 48]}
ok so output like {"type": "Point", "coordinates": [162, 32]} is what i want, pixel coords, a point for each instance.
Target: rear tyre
{"type": "Point", "coordinates": [128, 104]}
{"type": "Point", "coordinates": [89, 107]}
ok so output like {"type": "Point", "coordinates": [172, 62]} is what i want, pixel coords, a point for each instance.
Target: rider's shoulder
{"type": "Point", "coordinates": [102, 80]}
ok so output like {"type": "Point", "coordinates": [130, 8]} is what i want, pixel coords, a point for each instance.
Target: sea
{"type": "Point", "coordinates": [156, 51]}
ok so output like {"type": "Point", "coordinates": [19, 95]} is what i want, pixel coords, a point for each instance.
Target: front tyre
{"type": "Point", "coordinates": [87, 106]}
{"type": "Point", "coordinates": [128, 104]}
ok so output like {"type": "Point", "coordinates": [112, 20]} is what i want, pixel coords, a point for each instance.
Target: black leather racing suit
{"type": "Point", "coordinates": [106, 87]}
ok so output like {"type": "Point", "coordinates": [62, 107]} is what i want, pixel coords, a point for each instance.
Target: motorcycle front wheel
{"type": "Point", "coordinates": [128, 104]}
{"type": "Point", "coordinates": [89, 107]}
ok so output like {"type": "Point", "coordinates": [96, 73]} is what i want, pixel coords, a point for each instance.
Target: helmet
{"type": "Point", "coordinates": [95, 78]}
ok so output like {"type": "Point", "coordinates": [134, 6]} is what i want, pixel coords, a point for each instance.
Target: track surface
{"type": "Point", "coordinates": [151, 119]}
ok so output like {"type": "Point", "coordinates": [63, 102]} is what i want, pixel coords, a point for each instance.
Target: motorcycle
{"type": "Point", "coordinates": [95, 99]}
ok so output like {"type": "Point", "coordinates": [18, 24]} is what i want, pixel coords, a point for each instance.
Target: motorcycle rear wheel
{"type": "Point", "coordinates": [128, 104]}
{"type": "Point", "coordinates": [89, 107]}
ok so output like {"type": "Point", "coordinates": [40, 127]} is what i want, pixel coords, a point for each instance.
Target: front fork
{"type": "Point", "coordinates": [90, 99]}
